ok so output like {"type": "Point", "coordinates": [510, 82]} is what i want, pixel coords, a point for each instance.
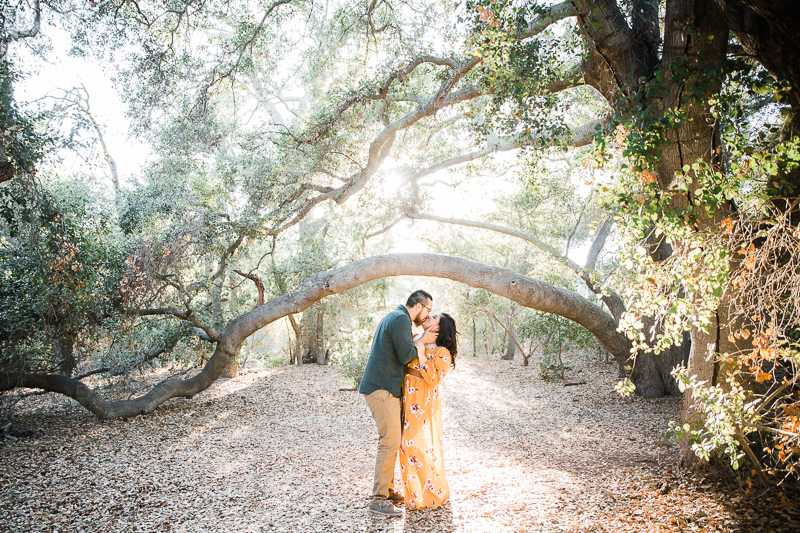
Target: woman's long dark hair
{"type": "Point", "coordinates": [447, 336]}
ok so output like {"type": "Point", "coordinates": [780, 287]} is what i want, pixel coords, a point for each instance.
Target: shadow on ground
{"type": "Point", "coordinates": [286, 449]}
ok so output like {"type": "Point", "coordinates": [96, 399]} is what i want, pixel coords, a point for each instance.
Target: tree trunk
{"type": "Point", "coordinates": [64, 354]}
{"type": "Point", "coordinates": [653, 372]}
{"type": "Point", "coordinates": [319, 337]}
{"type": "Point", "coordinates": [696, 36]}
{"type": "Point", "coordinates": [696, 140]}
{"type": "Point", "coordinates": [232, 370]}
{"type": "Point", "coordinates": [313, 338]}
{"type": "Point", "coordinates": [511, 349]}
{"type": "Point", "coordinates": [295, 357]}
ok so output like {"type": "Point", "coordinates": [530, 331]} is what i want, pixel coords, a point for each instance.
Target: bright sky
{"type": "Point", "coordinates": [65, 72]}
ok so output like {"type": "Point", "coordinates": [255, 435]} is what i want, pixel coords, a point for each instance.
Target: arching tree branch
{"type": "Point", "coordinates": [526, 291]}
{"type": "Point", "coordinates": [550, 15]}
{"type": "Point", "coordinates": [16, 35]}
{"type": "Point", "coordinates": [609, 297]}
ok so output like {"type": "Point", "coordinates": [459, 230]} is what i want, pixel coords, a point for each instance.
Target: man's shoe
{"type": "Point", "coordinates": [396, 498]}
{"type": "Point", "coordinates": [385, 508]}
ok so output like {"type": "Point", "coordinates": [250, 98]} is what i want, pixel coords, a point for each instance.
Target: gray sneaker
{"type": "Point", "coordinates": [385, 508]}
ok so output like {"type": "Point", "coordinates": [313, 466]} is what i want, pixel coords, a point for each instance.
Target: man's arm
{"type": "Point", "coordinates": [404, 345]}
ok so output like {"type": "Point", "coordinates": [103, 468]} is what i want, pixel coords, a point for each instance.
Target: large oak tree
{"type": "Point", "coordinates": [649, 70]}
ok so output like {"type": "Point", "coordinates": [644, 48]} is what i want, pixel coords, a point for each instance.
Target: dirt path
{"type": "Point", "coordinates": [285, 449]}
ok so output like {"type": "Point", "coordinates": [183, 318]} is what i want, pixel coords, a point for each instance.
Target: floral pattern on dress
{"type": "Point", "coordinates": [421, 446]}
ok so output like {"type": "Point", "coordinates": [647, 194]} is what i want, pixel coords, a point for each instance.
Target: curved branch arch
{"type": "Point", "coordinates": [526, 291]}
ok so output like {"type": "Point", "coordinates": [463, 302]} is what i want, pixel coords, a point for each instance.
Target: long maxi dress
{"type": "Point", "coordinates": [421, 458]}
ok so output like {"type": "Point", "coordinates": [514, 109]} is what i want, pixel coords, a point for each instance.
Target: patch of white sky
{"type": "Point", "coordinates": [59, 72]}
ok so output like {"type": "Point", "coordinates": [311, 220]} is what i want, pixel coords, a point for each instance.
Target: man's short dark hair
{"type": "Point", "coordinates": [418, 297]}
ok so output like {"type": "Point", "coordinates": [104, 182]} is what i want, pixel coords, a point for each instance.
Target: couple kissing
{"type": "Point", "coordinates": [401, 386]}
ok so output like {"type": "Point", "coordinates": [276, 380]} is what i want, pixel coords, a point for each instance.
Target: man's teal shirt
{"type": "Point", "coordinates": [392, 349]}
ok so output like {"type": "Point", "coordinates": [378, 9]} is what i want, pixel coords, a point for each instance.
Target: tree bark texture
{"type": "Point", "coordinates": [232, 369]}
{"type": "Point", "coordinates": [652, 372]}
{"type": "Point", "coordinates": [64, 353]}
{"type": "Point", "coordinates": [623, 54]}
{"type": "Point", "coordinates": [297, 355]}
{"type": "Point", "coordinates": [769, 30]}
{"type": "Point", "coordinates": [313, 335]}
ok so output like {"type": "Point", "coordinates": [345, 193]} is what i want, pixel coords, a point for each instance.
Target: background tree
{"type": "Point", "coordinates": [246, 148]}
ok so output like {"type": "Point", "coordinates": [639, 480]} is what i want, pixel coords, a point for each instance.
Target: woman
{"type": "Point", "coordinates": [421, 458]}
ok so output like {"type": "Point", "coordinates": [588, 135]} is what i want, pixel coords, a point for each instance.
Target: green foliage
{"type": "Point", "coordinates": [254, 128]}
{"type": "Point", "coordinates": [60, 264]}
{"type": "Point", "coordinates": [351, 320]}
{"type": "Point", "coordinates": [727, 223]}
{"type": "Point", "coordinates": [22, 144]}
{"type": "Point", "coordinates": [626, 387]}
{"type": "Point", "coordinates": [557, 335]}
{"type": "Point", "coordinates": [517, 70]}
{"type": "Point", "coordinates": [730, 413]}
{"type": "Point", "coordinates": [350, 354]}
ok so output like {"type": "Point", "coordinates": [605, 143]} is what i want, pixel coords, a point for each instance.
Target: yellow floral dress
{"type": "Point", "coordinates": [421, 458]}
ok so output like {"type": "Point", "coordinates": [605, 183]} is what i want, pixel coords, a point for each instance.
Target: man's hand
{"type": "Point", "coordinates": [429, 336]}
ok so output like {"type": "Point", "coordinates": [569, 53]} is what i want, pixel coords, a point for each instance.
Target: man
{"type": "Point", "coordinates": [393, 347]}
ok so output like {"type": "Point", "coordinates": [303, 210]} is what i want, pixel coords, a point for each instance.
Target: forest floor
{"type": "Point", "coordinates": [286, 449]}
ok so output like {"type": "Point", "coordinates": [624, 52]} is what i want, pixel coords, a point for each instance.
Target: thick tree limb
{"type": "Point", "coordinates": [521, 289]}
{"type": "Point", "coordinates": [526, 291]}
{"type": "Point", "coordinates": [78, 377]}
{"type": "Point", "coordinates": [609, 297]}
{"type": "Point", "coordinates": [445, 97]}
{"type": "Point", "coordinates": [598, 243]}
{"type": "Point", "coordinates": [550, 15]}
{"type": "Point", "coordinates": [115, 371]}
{"type": "Point", "coordinates": [618, 58]}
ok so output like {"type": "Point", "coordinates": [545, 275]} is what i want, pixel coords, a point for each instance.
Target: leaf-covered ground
{"type": "Point", "coordinates": [285, 449]}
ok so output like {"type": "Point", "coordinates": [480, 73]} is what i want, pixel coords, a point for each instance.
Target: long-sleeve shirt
{"type": "Point", "coordinates": [392, 349]}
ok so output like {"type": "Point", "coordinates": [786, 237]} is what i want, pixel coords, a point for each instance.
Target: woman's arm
{"type": "Point", "coordinates": [436, 368]}
{"type": "Point", "coordinates": [420, 346]}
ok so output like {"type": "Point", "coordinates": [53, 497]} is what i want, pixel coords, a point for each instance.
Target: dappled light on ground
{"type": "Point", "coordinates": [287, 449]}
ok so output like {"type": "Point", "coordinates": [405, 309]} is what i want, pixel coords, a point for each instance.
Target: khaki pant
{"type": "Point", "coordinates": [385, 409]}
